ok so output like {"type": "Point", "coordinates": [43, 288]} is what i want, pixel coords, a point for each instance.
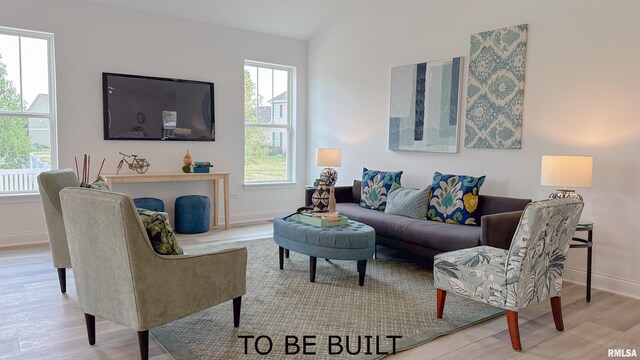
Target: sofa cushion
{"type": "Point", "coordinates": [422, 232]}
{"type": "Point", "coordinates": [454, 199]}
{"type": "Point", "coordinates": [408, 202]}
{"type": "Point", "coordinates": [376, 185]}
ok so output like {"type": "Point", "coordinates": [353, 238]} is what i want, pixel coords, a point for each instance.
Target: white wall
{"type": "Point", "coordinates": [581, 97]}
{"type": "Point", "coordinates": [90, 39]}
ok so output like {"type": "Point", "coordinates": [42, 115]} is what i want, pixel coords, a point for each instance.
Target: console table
{"type": "Point", "coordinates": [215, 177]}
{"type": "Point", "coordinates": [587, 243]}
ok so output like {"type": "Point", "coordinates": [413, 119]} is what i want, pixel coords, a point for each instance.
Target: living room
{"type": "Point", "coordinates": [341, 54]}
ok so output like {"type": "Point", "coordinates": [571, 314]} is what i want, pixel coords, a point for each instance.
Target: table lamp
{"type": "Point", "coordinates": [329, 158]}
{"type": "Point", "coordinates": [568, 172]}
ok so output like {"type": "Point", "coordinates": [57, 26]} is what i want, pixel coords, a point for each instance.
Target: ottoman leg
{"type": "Point", "coordinates": [281, 256]}
{"type": "Point", "coordinates": [286, 253]}
{"type": "Point", "coordinates": [362, 268]}
{"type": "Point", "coordinates": [312, 268]}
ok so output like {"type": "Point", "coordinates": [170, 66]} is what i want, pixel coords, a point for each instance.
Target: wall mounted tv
{"type": "Point", "coordinates": [152, 108]}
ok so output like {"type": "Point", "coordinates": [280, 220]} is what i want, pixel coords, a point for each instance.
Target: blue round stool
{"type": "Point", "coordinates": [193, 214]}
{"type": "Point", "coordinates": [152, 204]}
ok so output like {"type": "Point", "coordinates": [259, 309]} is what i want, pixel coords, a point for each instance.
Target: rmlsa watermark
{"type": "Point", "coordinates": [622, 353]}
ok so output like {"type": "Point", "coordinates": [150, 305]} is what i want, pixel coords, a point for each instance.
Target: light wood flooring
{"type": "Point", "coordinates": [37, 322]}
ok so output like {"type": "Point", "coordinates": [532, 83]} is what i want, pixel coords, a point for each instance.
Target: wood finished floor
{"type": "Point", "coordinates": [37, 322]}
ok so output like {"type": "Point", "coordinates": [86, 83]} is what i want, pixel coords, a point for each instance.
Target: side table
{"type": "Point", "coordinates": [587, 243]}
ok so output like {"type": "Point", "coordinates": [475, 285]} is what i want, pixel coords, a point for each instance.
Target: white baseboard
{"type": "Point", "coordinates": [23, 239]}
{"type": "Point", "coordinates": [604, 282]}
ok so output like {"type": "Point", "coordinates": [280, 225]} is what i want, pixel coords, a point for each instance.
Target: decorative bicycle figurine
{"type": "Point", "coordinates": [136, 164]}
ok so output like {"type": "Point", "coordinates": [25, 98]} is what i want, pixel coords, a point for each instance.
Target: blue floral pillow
{"type": "Point", "coordinates": [454, 198]}
{"type": "Point", "coordinates": [375, 187]}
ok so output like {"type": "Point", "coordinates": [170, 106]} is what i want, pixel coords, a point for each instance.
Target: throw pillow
{"type": "Point", "coordinates": [412, 203]}
{"type": "Point", "coordinates": [454, 198]}
{"type": "Point", "coordinates": [160, 232]}
{"type": "Point", "coordinates": [375, 187]}
{"type": "Point", "coordinates": [99, 184]}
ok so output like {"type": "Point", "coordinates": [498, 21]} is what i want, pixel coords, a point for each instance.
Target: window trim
{"type": "Point", "coordinates": [290, 127]}
{"type": "Point", "coordinates": [53, 110]}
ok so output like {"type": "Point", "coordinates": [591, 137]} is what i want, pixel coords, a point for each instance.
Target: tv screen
{"type": "Point", "coordinates": [152, 108]}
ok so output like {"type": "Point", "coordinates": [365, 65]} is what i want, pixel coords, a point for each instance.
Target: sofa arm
{"type": "Point", "coordinates": [344, 194]}
{"type": "Point", "coordinates": [498, 229]}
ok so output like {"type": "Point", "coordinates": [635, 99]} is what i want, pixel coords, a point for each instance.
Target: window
{"type": "Point", "coordinates": [27, 109]}
{"type": "Point", "coordinates": [269, 128]}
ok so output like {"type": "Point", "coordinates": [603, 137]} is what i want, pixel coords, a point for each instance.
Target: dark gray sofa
{"type": "Point", "coordinates": [499, 217]}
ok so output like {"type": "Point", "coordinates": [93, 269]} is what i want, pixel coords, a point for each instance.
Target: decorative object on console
{"type": "Point", "coordinates": [567, 172]}
{"type": "Point", "coordinates": [320, 198]}
{"type": "Point", "coordinates": [423, 112]}
{"type": "Point", "coordinates": [329, 158]}
{"type": "Point", "coordinates": [376, 185]}
{"type": "Point", "coordinates": [187, 162]}
{"type": "Point", "coordinates": [136, 164]}
{"type": "Point", "coordinates": [454, 198]}
{"type": "Point", "coordinates": [202, 167]}
{"type": "Point", "coordinates": [412, 203]}
{"type": "Point", "coordinates": [495, 89]}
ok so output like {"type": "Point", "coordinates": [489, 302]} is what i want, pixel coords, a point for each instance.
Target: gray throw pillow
{"type": "Point", "coordinates": [412, 203]}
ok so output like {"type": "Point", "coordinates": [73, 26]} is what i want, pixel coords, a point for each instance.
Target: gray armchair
{"type": "Point", "coordinates": [529, 272]}
{"type": "Point", "coordinates": [50, 183]}
{"type": "Point", "coordinates": [119, 277]}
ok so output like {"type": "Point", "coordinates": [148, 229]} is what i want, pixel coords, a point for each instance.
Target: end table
{"type": "Point", "coordinates": [587, 243]}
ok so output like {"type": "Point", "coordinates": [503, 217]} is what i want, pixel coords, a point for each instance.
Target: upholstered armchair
{"type": "Point", "coordinates": [529, 272]}
{"type": "Point", "coordinates": [119, 277]}
{"type": "Point", "coordinates": [50, 183]}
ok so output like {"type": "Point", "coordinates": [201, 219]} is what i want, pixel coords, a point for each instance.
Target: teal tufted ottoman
{"type": "Point", "coordinates": [353, 241]}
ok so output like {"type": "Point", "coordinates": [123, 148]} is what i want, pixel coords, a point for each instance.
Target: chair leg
{"type": "Point", "coordinates": [441, 296]}
{"type": "Point", "coordinates": [514, 330]}
{"type": "Point", "coordinates": [237, 304]}
{"type": "Point", "coordinates": [143, 342]}
{"type": "Point", "coordinates": [90, 320]}
{"type": "Point", "coordinates": [312, 268]}
{"type": "Point", "coordinates": [556, 309]}
{"type": "Point", "coordinates": [62, 278]}
{"type": "Point", "coordinates": [281, 256]}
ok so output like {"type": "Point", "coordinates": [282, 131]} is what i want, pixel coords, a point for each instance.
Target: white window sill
{"type": "Point", "coordinates": [270, 185]}
{"type": "Point", "coordinates": [20, 198]}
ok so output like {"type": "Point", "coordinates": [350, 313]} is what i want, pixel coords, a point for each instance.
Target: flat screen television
{"type": "Point", "coordinates": [152, 108]}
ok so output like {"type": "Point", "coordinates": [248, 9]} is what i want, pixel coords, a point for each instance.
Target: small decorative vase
{"type": "Point", "coordinates": [320, 198]}
{"type": "Point", "coordinates": [187, 159]}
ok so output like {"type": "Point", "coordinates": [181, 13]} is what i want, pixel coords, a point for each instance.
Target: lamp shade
{"type": "Point", "coordinates": [566, 171]}
{"type": "Point", "coordinates": [329, 157]}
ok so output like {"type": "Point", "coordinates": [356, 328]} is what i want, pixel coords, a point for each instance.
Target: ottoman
{"type": "Point", "coordinates": [152, 204]}
{"type": "Point", "coordinates": [193, 214]}
{"type": "Point", "coordinates": [352, 241]}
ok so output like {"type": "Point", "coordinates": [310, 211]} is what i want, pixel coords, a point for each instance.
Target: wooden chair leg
{"type": "Point", "coordinates": [237, 304]}
{"type": "Point", "coordinates": [90, 320]}
{"type": "Point", "coordinates": [441, 296]}
{"type": "Point", "coordinates": [556, 309]}
{"type": "Point", "coordinates": [514, 330]}
{"type": "Point", "coordinates": [62, 278]}
{"type": "Point", "coordinates": [312, 268]}
{"type": "Point", "coordinates": [143, 342]}
{"type": "Point", "coordinates": [281, 256]}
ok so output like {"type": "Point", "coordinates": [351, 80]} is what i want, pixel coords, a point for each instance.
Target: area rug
{"type": "Point", "coordinates": [282, 306]}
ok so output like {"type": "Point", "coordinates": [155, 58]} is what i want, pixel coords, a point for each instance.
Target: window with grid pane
{"type": "Point", "coordinates": [269, 122]}
{"type": "Point", "coordinates": [27, 109]}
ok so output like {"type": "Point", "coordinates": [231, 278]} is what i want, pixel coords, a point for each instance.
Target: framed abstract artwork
{"type": "Point", "coordinates": [495, 90]}
{"type": "Point", "coordinates": [424, 106]}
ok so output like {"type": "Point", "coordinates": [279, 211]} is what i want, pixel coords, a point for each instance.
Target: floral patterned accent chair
{"type": "Point", "coordinates": [529, 272]}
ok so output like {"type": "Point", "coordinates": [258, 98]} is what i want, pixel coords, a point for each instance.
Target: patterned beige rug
{"type": "Point", "coordinates": [397, 299]}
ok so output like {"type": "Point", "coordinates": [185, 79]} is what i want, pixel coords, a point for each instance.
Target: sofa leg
{"type": "Point", "coordinates": [62, 278]}
{"type": "Point", "coordinates": [143, 342]}
{"type": "Point", "coordinates": [237, 303]}
{"type": "Point", "coordinates": [312, 268]}
{"type": "Point", "coordinates": [90, 320]}
{"type": "Point", "coordinates": [281, 256]}
{"type": "Point", "coordinates": [514, 330]}
{"type": "Point", "coordinates": [556, 309]}
{"type": "Point", "coordinates": [286, 253]}
{"type": "Point", "coordinates": [362, 269]}
{"type": "Point", "coordinates": [441, 296]}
